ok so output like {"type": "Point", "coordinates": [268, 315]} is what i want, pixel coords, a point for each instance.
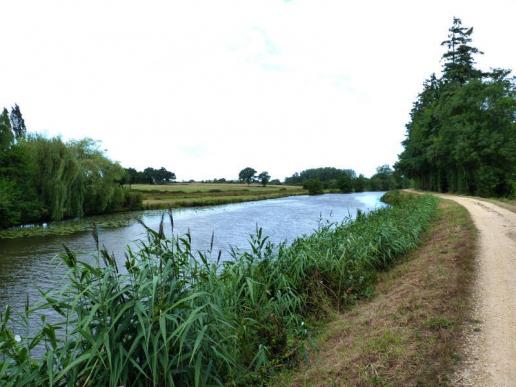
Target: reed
{"type": "Point", "coordinates": [174, 316]}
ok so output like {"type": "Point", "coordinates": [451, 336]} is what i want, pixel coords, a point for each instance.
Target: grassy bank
{"type": "Point", "coordinates": [410, 332]}
{"type": "Point", "coordinates": [179, 320]}
{"type": "Point", "coordinates": [204, 194]}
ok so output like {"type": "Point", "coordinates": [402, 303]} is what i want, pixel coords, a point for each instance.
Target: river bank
{"type": "Point", "coordinates": [233, 321]}
{"type": "Point", "coordinates": [154, 197]}
{"type": "Point", "coordinates": [411, 331]}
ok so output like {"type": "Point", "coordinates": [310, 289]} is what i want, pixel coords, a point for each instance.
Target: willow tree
{"type": "Point", "coordinates": [54, 172]}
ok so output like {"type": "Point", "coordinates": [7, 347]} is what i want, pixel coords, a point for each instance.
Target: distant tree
{"type": "Point", "coordinates": [264, 178]}
{"type": "Point", "coordinates": [275, 182]}
{"type": "Point", "coordinates": [313, 186]}
{"type": "Point", "coordinates": [295, 179]}
{"type": "Point", "coordinates": [148, 176]}
{"type": "Point", "coordinates": [164, 176]}
{"type": "Point", "coordinates": [345, 183]}
{"type": "Point", "coordinates": [360, 183]}
{"type": "Point", "coordinates": [18, 123]}
{"type": "Point", "coordinates": [130, 176]}
{"type": "Point", "coordinates": [383, 179]}
{"type": "Point", "coordinates": [247, 175]}
{"type": "Point", "coordinates": [328, 176]}
{"type": "Point", "coordinates": [6, 133]}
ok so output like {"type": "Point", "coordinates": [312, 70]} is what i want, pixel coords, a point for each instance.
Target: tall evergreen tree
{"type": "Point", "coordinates": [458, 60]}
{"type": "Point", "coordinates": [6, 134]}
{"type": "Point", "coordinates": [18, 123]}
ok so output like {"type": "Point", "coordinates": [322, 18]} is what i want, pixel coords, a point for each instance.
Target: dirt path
{"type": "Point", "coordinates": [491, 350]}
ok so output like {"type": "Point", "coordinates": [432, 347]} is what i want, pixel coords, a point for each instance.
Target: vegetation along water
{"type": "Point", "coordinates": [172, 319]}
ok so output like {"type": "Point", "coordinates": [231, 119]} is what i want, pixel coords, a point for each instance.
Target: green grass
{"type": "Point", "coordinates": [204, 194]}
{"type": "Point", "coordinates": [181, 318]}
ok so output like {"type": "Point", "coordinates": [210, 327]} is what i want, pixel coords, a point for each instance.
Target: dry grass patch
{"type": "Point", "coordinates": [410, 332]}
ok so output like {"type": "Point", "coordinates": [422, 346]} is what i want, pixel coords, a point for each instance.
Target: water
{"type": "Point", "coordinates": [28, 265]}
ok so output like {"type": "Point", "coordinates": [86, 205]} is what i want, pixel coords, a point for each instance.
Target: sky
{"type": "Point", "coordinates": [206, 88]}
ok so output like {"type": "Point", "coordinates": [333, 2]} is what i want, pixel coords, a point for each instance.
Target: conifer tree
{"type": "Point", "coordinates": [6, 134]}
{"type": "Point", "coordinates": [18, 123]}
{"type": "Point", "coordinates": [458, 60]}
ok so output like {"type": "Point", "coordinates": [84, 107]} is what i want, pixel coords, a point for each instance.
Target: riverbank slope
{"type": "Point", "coordinates": [411, 331]}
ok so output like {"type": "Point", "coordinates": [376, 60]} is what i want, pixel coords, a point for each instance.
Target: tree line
{"type": "Point", "coordinates": [44, 179]}
{"type": "Point", "coordinates": [461, 136]}
{"type": "Point", "coordinates": [316, 180]}
{"type": "Point", "coordinates": [148, 176]}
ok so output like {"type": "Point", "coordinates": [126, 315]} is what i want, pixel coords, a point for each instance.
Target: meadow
{"type": "Point", "coordinates": [204, 194]}
{"type": "Point", "coordinates": [179, 317]}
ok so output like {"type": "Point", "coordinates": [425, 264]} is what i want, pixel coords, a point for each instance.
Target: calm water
{"type": "Point", "coordinates": [29, 264]}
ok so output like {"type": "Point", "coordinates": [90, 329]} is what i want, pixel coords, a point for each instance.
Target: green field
{"type": "Point", "coordinates": [203, 194]}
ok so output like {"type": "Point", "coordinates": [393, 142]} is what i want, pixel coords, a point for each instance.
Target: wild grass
{"type": "Point", "coordinates": [178, 317]}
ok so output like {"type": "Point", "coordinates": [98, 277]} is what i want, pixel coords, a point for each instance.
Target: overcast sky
{"type": "Point", "coordinates": [206, 88]}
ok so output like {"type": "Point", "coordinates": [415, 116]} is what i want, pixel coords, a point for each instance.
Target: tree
{"type": "Point", "coordinates": [264, 178]}
{"type": "Point", "coordinates": [164, 176]}
{"type": "Point", "coordinates": [458, 60]}
{"type": "Point", "coordinates": [383, 179]}
{"type": "Point", "coordinates": [247, 175]}
{"type": "Point", "coordinates": [328, 176]}
{"type": "Point", "coordinates": [313, 186]}
{"type": "Point", "coordinates": [345, 183]}
{"type": "Point", "coordinates": [360, 183]}
{"type": "Point", "coordinates": [6, 134]}
{"type": "Point", "coordinates": [18, 123]}
{"type": "Point", "coordinates": [130, 176]}
{"type": "Point", "coordinates": [461, 136]}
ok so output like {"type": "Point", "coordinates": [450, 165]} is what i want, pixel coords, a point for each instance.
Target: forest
{"type": "Point", "coordinates": [46, 179]}
{"type": "Point", "coordinates": [461, 136]}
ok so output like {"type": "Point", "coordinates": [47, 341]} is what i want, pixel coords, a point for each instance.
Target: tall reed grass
{"type": "Point", "coordinates": [179, 317]}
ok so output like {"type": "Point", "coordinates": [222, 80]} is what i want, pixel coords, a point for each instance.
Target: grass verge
{"type": "Point", "coordinates": [410, 332]}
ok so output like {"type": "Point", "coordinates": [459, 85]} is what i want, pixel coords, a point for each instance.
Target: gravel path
{"type": "Point", "coordinates": [491, 348]}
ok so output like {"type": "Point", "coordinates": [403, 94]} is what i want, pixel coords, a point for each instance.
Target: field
{"type": "Point", "coordinates": [203, 194]}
